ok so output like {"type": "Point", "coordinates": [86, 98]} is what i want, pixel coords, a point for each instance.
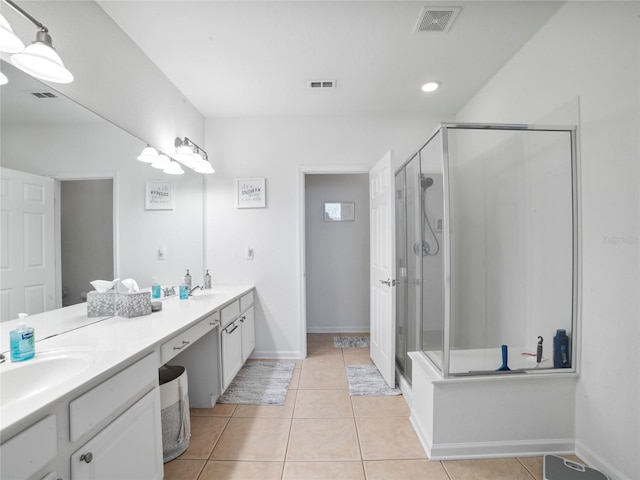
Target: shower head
{"type": "Point", "coordinates": [425, 182]}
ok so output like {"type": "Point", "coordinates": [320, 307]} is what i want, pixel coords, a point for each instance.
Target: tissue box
{"type": "Point", "coordinates": [101, 304]}
{"type": "Point", "coordinates": [133, 304]}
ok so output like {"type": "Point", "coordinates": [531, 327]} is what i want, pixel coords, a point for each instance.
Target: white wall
{"type": "Point", "coordinates": [591, 50]}
{"type": "Point", "coordinates": [275, 148]}
{"type": "Point", "coordinates": [337, 255]}
{"type": "Point", "coordinates": [112, 76]}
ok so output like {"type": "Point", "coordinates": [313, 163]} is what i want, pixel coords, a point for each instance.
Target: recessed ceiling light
{"type": "Point", "coordinates": [430, 86]}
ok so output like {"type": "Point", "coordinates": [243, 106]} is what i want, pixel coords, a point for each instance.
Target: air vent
{"type": "Point", "coordinates": [436, 19]}
{"type": "Point", "coordinates": [321, 84]}
{"type": "Point", "coordinates": [44, 94]}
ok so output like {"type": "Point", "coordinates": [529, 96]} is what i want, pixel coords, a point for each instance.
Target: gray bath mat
{"type": "Point", "coordinates": [366, 380]}
{"type": "Point", "coordinates": [351, 342]}
{"type": "Point", "coordinates": [259, 383]}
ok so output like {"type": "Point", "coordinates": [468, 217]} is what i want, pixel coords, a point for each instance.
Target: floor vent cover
{"type": "Point", "coordinates": [321, 84]}
{"type": "Point", "coordinates": [436, 19]}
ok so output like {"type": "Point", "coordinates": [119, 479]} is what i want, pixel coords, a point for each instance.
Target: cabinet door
{"type": "Point", "coordinates": [129, 448]}
{"type": "Point", "coordinates": [248, 333]}
{"type": "Point", "coordinates": [231, 340]}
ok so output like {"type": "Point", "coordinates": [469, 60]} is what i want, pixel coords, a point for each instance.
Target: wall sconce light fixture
{"type": "Point", "coordinates": [39, 59]}
{"type": "Point", "coordinates": [192, 156]}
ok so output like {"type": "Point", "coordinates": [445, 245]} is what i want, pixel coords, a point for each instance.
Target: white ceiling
{"type": "Point", "coordinates": [247, 58]}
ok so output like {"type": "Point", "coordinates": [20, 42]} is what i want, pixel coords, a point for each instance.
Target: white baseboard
{"type": "Point", "coordinates": [594, 460]}
{"type": "Point", "coordinates": [277, 354]}
{"type": "Point", "coordinates": [473, 450]}
{"type": "Point", "coordinates": [338, 329]}
{"type": "Point", "coordinates": [405, 388]}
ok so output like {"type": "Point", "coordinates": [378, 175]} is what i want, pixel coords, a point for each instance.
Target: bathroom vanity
{"type": "Point", "coordinates": [88, 405]}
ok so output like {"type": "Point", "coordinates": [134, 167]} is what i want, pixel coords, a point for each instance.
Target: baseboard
{"type": "Point", "coordinates": [405, 388]}
{"type": "Point", "coordinates": [277, 354]}
{"type": "Point", "coordinates": [339, 329]}
{"type": "Point", "coordinates": [592, 459]}
{"type": "Point", "coordinates": [425, 440]}
{"type": "Point", "coordinates": [474, 450]}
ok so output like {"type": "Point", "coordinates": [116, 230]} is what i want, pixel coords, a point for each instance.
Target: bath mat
{"type": "Point", "coordinates": [351, 342]}
{"type": "Point", "coordinates": [366, 380]}
{"type": "Point", "coordinates": [259, 383]}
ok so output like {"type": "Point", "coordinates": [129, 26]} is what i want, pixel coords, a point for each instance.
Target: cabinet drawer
{"type": "Point", "coordinates": [246, 301]}
{"type": "Point", "coordinates": [30, 450]}
{"type": "Point", "coordinates": [230, 313]}
{"type": "Point", "coordinates": [177, 344]}
{"type": "Point", "coordinates": [91, 408]}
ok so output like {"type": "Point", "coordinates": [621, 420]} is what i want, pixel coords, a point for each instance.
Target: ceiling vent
{"type": "Point", "coordinates": [321, 84]}
{"type": "Point", "coordinates": [43, 95]}
{"type": "Point", "coordinates": [436, 19]}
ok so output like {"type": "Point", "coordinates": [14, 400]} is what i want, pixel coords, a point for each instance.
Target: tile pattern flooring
{"type": "Point", "coordinates": [323, 433]}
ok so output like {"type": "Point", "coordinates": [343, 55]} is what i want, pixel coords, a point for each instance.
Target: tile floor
{"type": "Point", "coordinates": [323, 433]}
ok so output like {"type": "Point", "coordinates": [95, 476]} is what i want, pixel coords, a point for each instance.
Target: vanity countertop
{"type": "Point", "coordinates": [111, 343]}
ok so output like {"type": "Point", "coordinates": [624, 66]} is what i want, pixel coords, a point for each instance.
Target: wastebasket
{"type": "Point", "coordinates": [174, 404]}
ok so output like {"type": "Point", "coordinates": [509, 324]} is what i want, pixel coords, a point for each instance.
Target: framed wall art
{"type": "Point", "coordinates": [158, 196]}
{"type": "Point", "coordinates": [251, 193]}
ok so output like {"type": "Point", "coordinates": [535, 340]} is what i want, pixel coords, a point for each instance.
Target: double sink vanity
{"type": "Point", "coordinates": [88, 405]}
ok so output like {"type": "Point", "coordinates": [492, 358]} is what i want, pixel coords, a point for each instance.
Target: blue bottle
{"type": "Point", "coordinates": [156, 292]}
{"type": "Point", "coordinates": [184, 291]}
{"type": "Point", "coordinates": [22, 341]}
{"type": "Point", "coordinates": [561, 354]}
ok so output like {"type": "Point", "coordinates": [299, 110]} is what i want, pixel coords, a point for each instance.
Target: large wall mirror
{"type": "Point", "coordinates": [102, 226]}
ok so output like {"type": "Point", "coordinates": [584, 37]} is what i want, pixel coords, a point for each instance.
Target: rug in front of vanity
{"type": "Point", "coordinates": [366, 380]}
{"type": "Point", "coordinates": [350, 342]}
{"type": "Point", "coordinates": [259, 383]}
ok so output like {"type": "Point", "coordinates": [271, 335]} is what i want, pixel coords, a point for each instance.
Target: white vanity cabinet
{"type": "Point", "coordinates": [237, 337]}
{"type": "Point", "coordinates": [129, 446]}
{"type": "Point", "coordinates": [28, 452]}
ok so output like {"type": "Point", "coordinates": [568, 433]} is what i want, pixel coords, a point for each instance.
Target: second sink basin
{"type": "Point", "coordinates": [48, 369]}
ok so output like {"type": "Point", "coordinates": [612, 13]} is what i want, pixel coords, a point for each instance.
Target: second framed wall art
{"type": "Point", "coordinates": [251, 193]}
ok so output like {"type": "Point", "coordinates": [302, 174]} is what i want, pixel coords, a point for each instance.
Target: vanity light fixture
{"type": "Point", "coordinates": [174, 168]}
{"type": "Point", "coordinates": [430, 87]}
{"type": "Point", "coordinates": [9, 41]}
{"type": "Point", "coordinates": [161, 162]}
{"type": "Point", "coordinates": [148, 155]}
{"type": "Point", "coordinates": [40, 59]}
{"type": "Point", "coordinates": [192, 156]}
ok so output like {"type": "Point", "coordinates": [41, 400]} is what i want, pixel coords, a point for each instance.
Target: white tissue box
{"type": "Point", "coordinates": [101, 304]}
{"type": "Point", "coordinates": [133, 304]}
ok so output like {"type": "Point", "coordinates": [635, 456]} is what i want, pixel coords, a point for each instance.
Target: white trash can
{"type": "Point", "coordinates": [174, 404]}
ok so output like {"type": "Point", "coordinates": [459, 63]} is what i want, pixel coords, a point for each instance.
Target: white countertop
{"type": "Point", "coordinates": [110, 343]}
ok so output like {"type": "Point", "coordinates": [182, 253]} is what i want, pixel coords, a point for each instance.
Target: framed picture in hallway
{"type": "Point", "coordinates": [251, 193]}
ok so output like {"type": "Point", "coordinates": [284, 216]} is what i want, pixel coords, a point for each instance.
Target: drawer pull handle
{"type": "Point", "coordinates": [184, 344]}
{"type": "Point", "coordinates": [232, 330]}
{"type": "Point", "coordinates": [86, 457]}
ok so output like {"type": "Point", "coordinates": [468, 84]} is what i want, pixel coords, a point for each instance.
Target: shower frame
{"type": "Point", "coordinates": [444, 130]}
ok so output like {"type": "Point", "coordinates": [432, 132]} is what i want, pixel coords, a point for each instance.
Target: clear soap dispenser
{"type": "Point", "coordinates": [22, 341]}
{"type": "Point", "coordinates": [207, 280]}
{"type": "Point", "coordinates": [187, 279]}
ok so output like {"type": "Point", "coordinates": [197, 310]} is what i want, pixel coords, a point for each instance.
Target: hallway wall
{"type": "Point", "coordinates": [337, 255]}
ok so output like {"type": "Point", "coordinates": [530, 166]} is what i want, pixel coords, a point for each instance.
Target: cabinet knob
{"type": "Point", "coordinates": [86, 457]}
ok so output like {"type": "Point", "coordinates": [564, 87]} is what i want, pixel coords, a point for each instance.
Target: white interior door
{"type": "Point", "coordinates": [383, 322]}
{"type": "Point", "coordinates": [27, 245]}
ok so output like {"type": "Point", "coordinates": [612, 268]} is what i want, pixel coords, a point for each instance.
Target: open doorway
{"type": "Point", "coordinates": [337, 252]}
{"type": "Point", "coordinates": [86, 236]}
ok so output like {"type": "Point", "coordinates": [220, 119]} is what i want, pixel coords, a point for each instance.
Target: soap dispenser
{"type": "Point", "coordinates": [207, 280]}
{"type": "Point", "coordinates": [22, 341]}
{"type": "Point", "coordinates": [187, 279]}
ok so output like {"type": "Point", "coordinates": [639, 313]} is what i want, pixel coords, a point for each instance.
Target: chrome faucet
{"type": "Point", "coordinates": [2, 358]}
{"type": "Point", "coordinates": [194, 289]}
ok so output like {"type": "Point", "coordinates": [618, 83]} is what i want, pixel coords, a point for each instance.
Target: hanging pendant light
{"type": "Point", "coordinates": [40, 60]}
{"type": "Point", "coordinates": [9, 41]}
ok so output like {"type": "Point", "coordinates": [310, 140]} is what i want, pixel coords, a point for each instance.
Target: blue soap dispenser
{"type": "Point", "coordinates": [22, 341]}
{"type": "Point", "coordinates": [156, 291]}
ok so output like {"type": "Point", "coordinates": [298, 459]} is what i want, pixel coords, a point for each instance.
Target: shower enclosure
{"type": "Point", "coordinates": [487, 250]}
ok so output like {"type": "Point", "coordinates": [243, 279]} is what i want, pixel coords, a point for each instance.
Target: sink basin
{"type": "Point", "coordinates": [48, 369]}
{"type": "Point", "coordinates": [207, 294]}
